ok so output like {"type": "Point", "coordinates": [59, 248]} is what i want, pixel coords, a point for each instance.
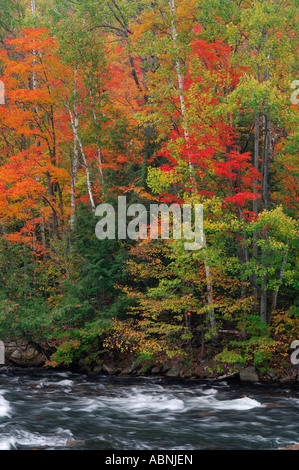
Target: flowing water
{"type": "Point", "coordinates": [62, 410]}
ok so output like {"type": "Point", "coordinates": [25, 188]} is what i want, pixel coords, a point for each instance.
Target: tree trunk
{"type": "Point", "coordinates": [266, 160]}
{"type": "Point", "coordinates": [75, 132]}
{"type": "Point", "coordinates": [264, 300]}
{"type": "Point", "coordinates": [171, 3]}
{"type": "Point", "coordinates": [255, 205]}
{"type": "Point", "coordinates": [74, 166]}
{"type": "Point", "coordinates": [181, 84]}
{"type": "Point", "coordinates": [263, 306]}
{"type": "Point", "coordinates": [211, 311]}
{"type": "Point", "coordinates": [256, 158]}
{"type": "Point", "coordinates": [42, 227]}
{"type": "Point", "coordinates": [281, 276]}
{"type": "Point", "coordinates": [96, 122]}
{"type": "Point", "coordinates": [74, 162]}
{"type": "Point", "coordinates": [265, 195]}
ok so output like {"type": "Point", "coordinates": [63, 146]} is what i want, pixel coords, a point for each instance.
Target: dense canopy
{"type": "Point", "coordinates": [166, 101]}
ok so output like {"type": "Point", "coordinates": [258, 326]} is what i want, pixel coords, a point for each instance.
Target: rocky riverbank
{"type": "Point", "coordinates": [28, 354]}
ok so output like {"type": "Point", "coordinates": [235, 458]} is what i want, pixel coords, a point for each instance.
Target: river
{"type": "Point", "coordinates": [41, 409]}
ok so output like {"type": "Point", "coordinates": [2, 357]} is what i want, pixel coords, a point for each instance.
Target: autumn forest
{"type": "Point", "coordinates": [165, 102]}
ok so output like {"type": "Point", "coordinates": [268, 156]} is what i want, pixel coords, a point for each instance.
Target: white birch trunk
{"type": "Point", "coordinates": [181, 83]}
{"type": "Point", "coordinates": [211, 312]}
{"type": "Point", "coordinates": [74, 162]}
{"type": "Point", "coordinates": [96, 121]}
{"type": "Point", "coordinates": [74, 167]}
{"type": "Point", "coordinates": [33, 8]}
{"type": "Point", "coordinates": [75, 126]}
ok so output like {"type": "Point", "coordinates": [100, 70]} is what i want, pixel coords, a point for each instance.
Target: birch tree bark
{"type": "Point", "coordinates": [95, 119]}
{"type": "Point", "coordinates": [74, 117]}
{"type": "Point", "coordinates": [174, 35]}
{"type": "Point", "coordinates": [181, 83]}
{"type": "Point", "coordinates": [74, 161]}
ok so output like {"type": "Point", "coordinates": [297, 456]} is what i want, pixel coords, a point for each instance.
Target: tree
{"type": "Point", "coordinates": [34, 177]}
{"type": "Point", "coordinates": [262, 36]}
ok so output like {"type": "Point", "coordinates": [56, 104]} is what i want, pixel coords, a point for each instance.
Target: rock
{"type": "Point", "coordinates": [136, 365]}
{"type": "Point", "coordinates": [11, 345]}
{"type": "Point", "coordinates": [174, 371]}
{"type": "Point", "coordinates": [294, 447]}
{"type": "Point", "coordinates": [24, 353]}
{"type": "Point", "coordinates": [75, 443]}
{"type": "Point", "coordinates": [109, 369]}
{"type": "Point", "coordinates": [16, 355]}
{"type": "Point", "coordinates": [270, 375]}
{"type": "Point", "coordinates": [25, 356]}
{"type": "Point", "coordinates": [128, 370]}
{"type": "Point", "coordinates": [156, 370]}
{"type": "Point", "coordinates": [287, 379]}
{"type": "Point", "coordinates": [146, 369]}
{"type": "Point", "coordinates": [97, 370]}
{"type": "Point", "coordinates": [229, 375]}
{"type": "Point", "coordinates": [165, 367]}
{"type": "Point", "coordinates": [296, 373]}
{"type": "Point", "coordinates": [249, 374]}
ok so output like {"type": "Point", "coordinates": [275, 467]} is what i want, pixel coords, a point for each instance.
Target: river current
{"type": "Point", "coordinates": [61, 410]}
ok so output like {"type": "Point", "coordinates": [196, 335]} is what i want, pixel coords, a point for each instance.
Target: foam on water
{"type": "Point", "coordinates": [135, 403]}
{"type": "Point", "coordinates": [153, 403]}
{"type": "Point", "coordinates": [46, 410]}
{"type": "Point", "coordinates": [25, 439]}
{"type": "Point", "coordinates": [6, 444]}
{"type": "Point", "coordinates": [211, 402]}
{"type": "Point", "coordinates": [61, 383]}
{"type": "Point", "coordinates": [159, 401]}
{"type": "Point", "coordinates": [4, 406]}
{"type": "Point", "coordinates": [209, 391]}
{"type": "Point", "coordinates": [239, 404]}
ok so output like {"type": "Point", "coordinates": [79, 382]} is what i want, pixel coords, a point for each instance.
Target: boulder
{"type": "Point", "coordinates": [24, 355]}
{"type": "Point", "coordinates": [97, 370]}
{"type": "Point", "coordinates": [165, 367]}
{"type": "Point", "coordinates": [145, 369]}
{"type": "Point", "coordinates": [293, 447]}
{"type": "Point", "coordinates": [136, 365]}
{"type": "Point", "coordinates": [109, 369]}
{"type": "Point", "coordinates": [156, 370]}
{"type": "Point", "coordinates": [270, 375]}
{"type": "Point", "coordinates": [75, 443]}
{"type": "Point", "coordinates": [16, 355]}
{"type": "Point", "coordinates": [174, 371]}
{"type": "Point", "coordinates": [249, 374]}
{"type": "Point", "coordinates": [287, 379]}
{"type": "Point", "coordinates": [128, 370]}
